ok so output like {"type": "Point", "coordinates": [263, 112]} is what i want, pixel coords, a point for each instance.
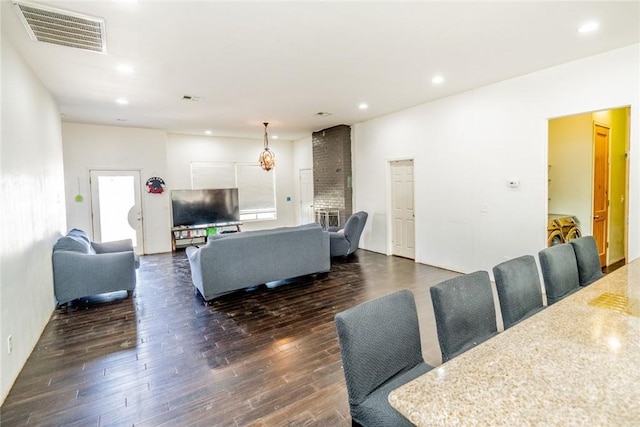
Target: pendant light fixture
{"type": "Point", "coordinates": [267, 157]}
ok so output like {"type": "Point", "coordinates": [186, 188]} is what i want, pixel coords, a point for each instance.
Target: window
{"type": "Point", "coordinates": [256, 187]}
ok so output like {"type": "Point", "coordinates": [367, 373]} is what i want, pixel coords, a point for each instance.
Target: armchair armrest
{"type": "Point", "coordinates": [115, 246]}
{"type": "Point", "coordinates": [125, 245]}
{"type": "Point", "coordinates": [339, 244]}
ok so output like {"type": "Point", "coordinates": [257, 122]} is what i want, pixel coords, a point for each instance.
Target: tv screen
{"type": "Point", "coordinates": [203, 207]}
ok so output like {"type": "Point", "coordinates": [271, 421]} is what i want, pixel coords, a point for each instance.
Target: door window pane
{"type": "Point", "coordinates": [117, 198]}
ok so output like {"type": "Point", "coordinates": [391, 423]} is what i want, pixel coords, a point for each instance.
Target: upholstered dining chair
{"type": "Point", "coordinates": [588, 259]}
{"type": "Point", "coordinates": [519, 290]}
{"type": "Point", "coordinates": [559, 271]}
{"type": "Point", "coordinates": [464, 311]}
{"type": "Point", "coordinates": [381, 350]}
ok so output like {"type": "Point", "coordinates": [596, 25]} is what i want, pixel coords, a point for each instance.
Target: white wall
{"type": "Point", "coordinates": [184, 149]}
{"type": "Point", "coordinates": [88, 147]}
{"type": "Point", "coordinates": [302, 159]}
{"type": "Point", "coordinates": [157, 153]}
{"type": "Point", "coordinates": [32, 213]}
{"type": "Point", "coordinates": [466, 147]}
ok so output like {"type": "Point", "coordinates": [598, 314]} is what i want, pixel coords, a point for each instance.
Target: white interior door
{"type": "Point", "coordinates": [402, 215]}
{"type": "Point", "coordinates": [116, 207]}
{"type": "Point", "coordinates": [306, 196]}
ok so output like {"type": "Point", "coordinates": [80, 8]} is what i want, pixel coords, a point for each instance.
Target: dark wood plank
{"type": "Point", "coordinates": [265, 356]}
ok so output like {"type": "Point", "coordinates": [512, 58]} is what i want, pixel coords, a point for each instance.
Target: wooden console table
{"type": "Point", "coordinates": [181, 237]}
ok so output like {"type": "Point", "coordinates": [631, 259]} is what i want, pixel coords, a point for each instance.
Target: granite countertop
{"type": "Point", "coordinates": [575, 363]}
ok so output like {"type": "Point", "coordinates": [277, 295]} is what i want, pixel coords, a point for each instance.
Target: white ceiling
{"type": "Point", "coordinates": [283, 62]}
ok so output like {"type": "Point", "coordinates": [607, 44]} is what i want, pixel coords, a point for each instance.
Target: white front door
{"type": "Point", "coordinates": [306, 196]}
{"type": "Point", "coordinates": [402, 215]}
{"type": "Point", "coordinates": [116, 207]}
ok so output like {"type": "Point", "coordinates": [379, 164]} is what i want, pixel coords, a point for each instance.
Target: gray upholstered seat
{"type": "Point", "coordinates": [82, 268]}
{"type": "Point", "coordinates": [559, 271]}
{"type": "Point", "coordinates": [588, 259]}
{"type": "Point", "coordinates": [464, 312]}
{"type": "Point", "coordinates": [346, 242]}
{"type": "Point", "coordinates": [381, 350]}
{"type": "Point", "coordinates": [519, 291]}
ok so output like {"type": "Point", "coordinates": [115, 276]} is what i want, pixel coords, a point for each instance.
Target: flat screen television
{"type": "Point", "coordinates": [204, 207]}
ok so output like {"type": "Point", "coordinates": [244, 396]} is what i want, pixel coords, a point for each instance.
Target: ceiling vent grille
{"type": "Point", "coordinates": [49, 25]}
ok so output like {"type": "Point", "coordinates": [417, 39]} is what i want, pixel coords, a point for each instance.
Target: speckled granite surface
{"type": "Point", "coordinates": [575, 363]}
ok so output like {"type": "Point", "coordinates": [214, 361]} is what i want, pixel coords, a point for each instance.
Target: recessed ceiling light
{"type": "Point", "coordinates": [121, 120]}
{"type": "Point", "coordinates": [588, 27]}
{"type": "Point", "coordinates": [122, 101]}
{"type": "Point", "coordinates": [323, 113]}
{"type": "Point", "coordinates": [125, 69]}
{"type": "Point", "coordinates": [436, 80]}
{"type": "Point", "coordinates": [208, 132]}
{"type": "Point", "coordinates": [363, 106]}
{"type": "Point", "coordinates": [274, 136]}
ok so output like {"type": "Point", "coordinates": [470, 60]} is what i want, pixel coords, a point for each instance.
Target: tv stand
{"type": "Point", "coordinates": [181, 237]}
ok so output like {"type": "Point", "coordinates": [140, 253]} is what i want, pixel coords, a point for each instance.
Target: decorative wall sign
{"type": "Point", "coordinates": [155, 185]}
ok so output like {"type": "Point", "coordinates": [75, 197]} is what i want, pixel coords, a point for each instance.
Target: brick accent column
{"type": "Point", "coordinates": [332, 170]}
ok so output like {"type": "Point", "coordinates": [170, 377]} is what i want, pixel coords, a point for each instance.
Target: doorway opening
{"type": "Point", "coordinates": [403, 229]}
{"type": "Point", "coordinates": [306, 196]}
{"type": "Point", "coordinates": [588, 173]}
{"type": "Point", "coordinates": [116, 207]}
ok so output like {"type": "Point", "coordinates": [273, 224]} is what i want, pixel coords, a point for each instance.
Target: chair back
{"type": "Point", "coordinates": [588, 259]}
{"type": "Point", "coordinates": [464, 311]}
{"type": "Point", "coordinates": [559, 271]}
{"type": "Point", "coordinates": [378, 339]}
{"type": "Point", "coordinates": [519, 290]}
{"type": "Point", "coordinates": [353, 229]}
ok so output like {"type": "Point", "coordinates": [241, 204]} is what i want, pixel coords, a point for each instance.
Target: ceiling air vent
{"type": "Point", "coordinates": [50, 25]}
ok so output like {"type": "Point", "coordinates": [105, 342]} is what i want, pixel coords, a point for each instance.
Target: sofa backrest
{"type": "Point", "coordinates": [249, 258]}
{"type": "Point", "coordinates": [266, 232]}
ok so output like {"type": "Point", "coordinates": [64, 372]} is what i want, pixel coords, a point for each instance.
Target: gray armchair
{"type": "Point", "coordinates": [344, 242]}
{"type": "Point", "coordinates": [82, 268]}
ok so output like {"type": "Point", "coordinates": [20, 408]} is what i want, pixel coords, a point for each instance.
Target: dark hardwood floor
{"type": "Point", "coordinates": [267, 356]}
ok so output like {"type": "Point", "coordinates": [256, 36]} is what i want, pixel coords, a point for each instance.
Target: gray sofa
{"type": "Point", "coordinates": [239, 260]}
{"type": "Point", "coordinates": [82, 268]}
